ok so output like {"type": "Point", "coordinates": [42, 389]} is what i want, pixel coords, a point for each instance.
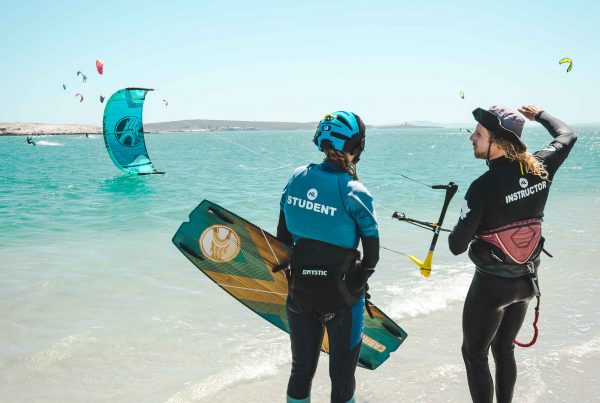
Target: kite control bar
{"type": "Point", "coordinates": [425, 266]}
{"type": "Point", "coordinates": [421, 224]}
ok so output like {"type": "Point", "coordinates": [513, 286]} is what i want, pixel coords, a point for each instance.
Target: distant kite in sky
{"type": "Point", "coordinates": [101, 99]}
{"type": "Point", "coordinates": [462, 95]}
{"type": "Point", "coordinates": [83, 76]}
{"type": "Point", "coordinates": [100, 66]}
{"type": "Point", "coordinates": [566, 60]}
{"type": "Point", "coordinates": [79, 95]}
{"type": "Point", "coordinates": [166, 102]}
{"type": "Point", "coordinates": [64, 86]}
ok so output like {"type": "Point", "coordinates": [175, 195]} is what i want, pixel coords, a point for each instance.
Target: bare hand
{"type": "Point", "coordinates": [530, 111]}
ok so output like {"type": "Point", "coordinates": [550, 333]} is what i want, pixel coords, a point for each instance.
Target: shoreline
{"type": "Point", "coordinates": [46, 129]}
{"type": "Point", "coordinates": [43, 129]}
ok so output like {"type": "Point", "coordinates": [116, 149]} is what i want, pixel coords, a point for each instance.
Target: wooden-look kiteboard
{"type": "Point", "coordinates": [241, 257]}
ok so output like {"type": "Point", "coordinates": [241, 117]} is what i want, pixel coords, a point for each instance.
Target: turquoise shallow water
{"type": "Point", "coordinates": [96, 304]}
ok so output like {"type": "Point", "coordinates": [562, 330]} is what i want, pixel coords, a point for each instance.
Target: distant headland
{"type": "Point", "coordinates": [193, 125]}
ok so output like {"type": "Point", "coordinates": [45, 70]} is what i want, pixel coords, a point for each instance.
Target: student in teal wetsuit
{"type": "Point", "coordinates": [325, 212]}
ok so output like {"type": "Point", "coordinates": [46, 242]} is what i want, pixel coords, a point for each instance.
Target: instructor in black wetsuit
{"type": "Point", "coordinates": [500, 223]}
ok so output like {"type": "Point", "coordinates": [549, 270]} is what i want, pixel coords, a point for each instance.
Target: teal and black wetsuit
{"type": "Point", "coordinates": [324, 204]}
{"type": "Point", "coordinates": [497, 300]}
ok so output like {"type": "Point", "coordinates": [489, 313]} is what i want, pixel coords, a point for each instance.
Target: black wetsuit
{"type": "Point", "coordinates": [497, 300]}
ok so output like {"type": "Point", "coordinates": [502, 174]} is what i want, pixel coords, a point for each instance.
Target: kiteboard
{"type": "Point", "coordinates": [243, 259]}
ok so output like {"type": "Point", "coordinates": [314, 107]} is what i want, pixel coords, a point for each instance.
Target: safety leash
{"type": "Point", "coordinates": [536, 288]}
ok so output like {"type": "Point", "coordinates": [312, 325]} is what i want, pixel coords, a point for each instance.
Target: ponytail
{"type": "Point", "coordinates": [339, 159]}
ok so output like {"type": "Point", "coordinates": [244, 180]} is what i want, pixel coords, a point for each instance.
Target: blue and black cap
{"type": "Point", "coordinates": [342, 131]}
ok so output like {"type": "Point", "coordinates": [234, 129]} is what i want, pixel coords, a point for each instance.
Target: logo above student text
{"type": "Point", "coordinates": [312, 194]}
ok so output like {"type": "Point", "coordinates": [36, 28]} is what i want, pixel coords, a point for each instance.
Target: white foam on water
{"type": "Point", "coordinates": [48, 143]}
{"type": "Point", "coordinates": [544, 374]}
{"type": "Point", "coordinates": [59, 351]}
{"type": "Point", "coordinates": [535, 387]}
{"type": "Point", "coordinates": [420, 297]}
{"type": "Point", "coordinates": [261, 363]}
{"type": "Point", "coordinates": [590, 347]}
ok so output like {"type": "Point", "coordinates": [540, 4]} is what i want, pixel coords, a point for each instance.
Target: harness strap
{"type": "Point", "coordinates": [368, 301]}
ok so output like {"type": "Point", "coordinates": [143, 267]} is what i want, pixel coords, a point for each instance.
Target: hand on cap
{"type": "Point", "coordinates": [530, 111]}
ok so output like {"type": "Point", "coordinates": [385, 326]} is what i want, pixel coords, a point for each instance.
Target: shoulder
{"type": "Point", "coordinates": [357, 195]}
{"type": "Point", "coordinates": [301, 170]}
{"type": "Point", "coordinates": [356, 187]}
{"type": "Point", "coordinates": [481, 182]}
{"type": "Point", "coordinates": [482, 188]}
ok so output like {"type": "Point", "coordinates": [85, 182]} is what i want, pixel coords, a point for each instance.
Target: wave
{"type": "Point", "coordinates": [420, 297]}
{"type": "Point", "coordinates": [48, 143]}
{"type": "Point", "coordinates": [545, 373]}
{"type": "Point", "coordinates": [259, 364]}
{"type": "Point", "coordinates": [60, 350]}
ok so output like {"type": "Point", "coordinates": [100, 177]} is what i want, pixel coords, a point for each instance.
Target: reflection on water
{"type": "Point", "coordinates": [135, 186]}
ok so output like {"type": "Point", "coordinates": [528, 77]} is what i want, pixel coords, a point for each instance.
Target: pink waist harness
{"type": "Point", "coordinates": [519, 240]}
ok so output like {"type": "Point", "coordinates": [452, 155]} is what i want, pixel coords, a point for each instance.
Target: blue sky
{"type": "Point", "coordinates": [388, 61]}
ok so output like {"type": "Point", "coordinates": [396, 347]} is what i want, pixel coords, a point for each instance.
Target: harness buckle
{"type": "Point", "coordinates": [531, 267]}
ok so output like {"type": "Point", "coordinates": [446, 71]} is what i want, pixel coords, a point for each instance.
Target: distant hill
{"type": "Point", "coordinates": [225, 125]}
{"type": "Point", "coordinates": [193, 125]}
{"type": "Point", "coordinates": [421, 124]}
{"type": "Point", "coordinates": [243, 125]}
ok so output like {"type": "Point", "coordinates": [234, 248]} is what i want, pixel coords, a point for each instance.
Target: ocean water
{"type": "Point", "coordinates": [97, 305]}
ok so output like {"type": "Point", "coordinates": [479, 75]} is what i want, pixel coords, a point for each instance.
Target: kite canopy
{"type": "Point", "coordinates": [124, 131]}
{"type": "Point", "coordinates": [83, 76]}
{"type": "Point", "coordinates": [100, 66]}
{"type": "Point", "coordinates": [566, 60]}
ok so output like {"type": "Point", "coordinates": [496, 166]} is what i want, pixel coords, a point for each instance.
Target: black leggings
{"type": "Point", "coordinates": [306, 334]}
{"type": "Point", "coordinates": [494, 311]}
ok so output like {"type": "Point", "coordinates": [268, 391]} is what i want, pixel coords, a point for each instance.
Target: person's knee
{"type": "Point", "coordinates": [474, 357]}
{"type": "Point", "coordinates": [503, 352]}
{"type": "Point", "coordinates": [303, 374]}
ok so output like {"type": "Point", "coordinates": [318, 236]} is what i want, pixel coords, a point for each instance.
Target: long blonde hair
{"type": "Point", "coordinates": [531, 164]}
{"type": "Point", "coordinates": [340, 159]}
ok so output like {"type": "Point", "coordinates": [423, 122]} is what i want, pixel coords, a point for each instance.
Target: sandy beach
{"type": "Point", "coordinates": [31, 129]}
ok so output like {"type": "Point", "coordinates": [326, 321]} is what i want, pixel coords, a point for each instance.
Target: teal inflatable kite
{"type": "Point", "coordinates": [124, 131]}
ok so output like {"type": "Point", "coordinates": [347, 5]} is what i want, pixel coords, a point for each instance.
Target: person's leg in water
{"type": "Point", "coordinates": [484, 314]}
{"type": "Point", "coordinates": [345, 339]}
{"type": "Point", "coordinates": [306, 335]}
{"type": "Point", "coordinates": [503, 346]}
{"type": "Point", "coordinates": [479, 322]}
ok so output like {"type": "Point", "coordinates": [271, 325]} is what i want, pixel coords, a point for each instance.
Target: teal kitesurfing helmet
{"type": "Point", "coordinates": [342, 131]}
